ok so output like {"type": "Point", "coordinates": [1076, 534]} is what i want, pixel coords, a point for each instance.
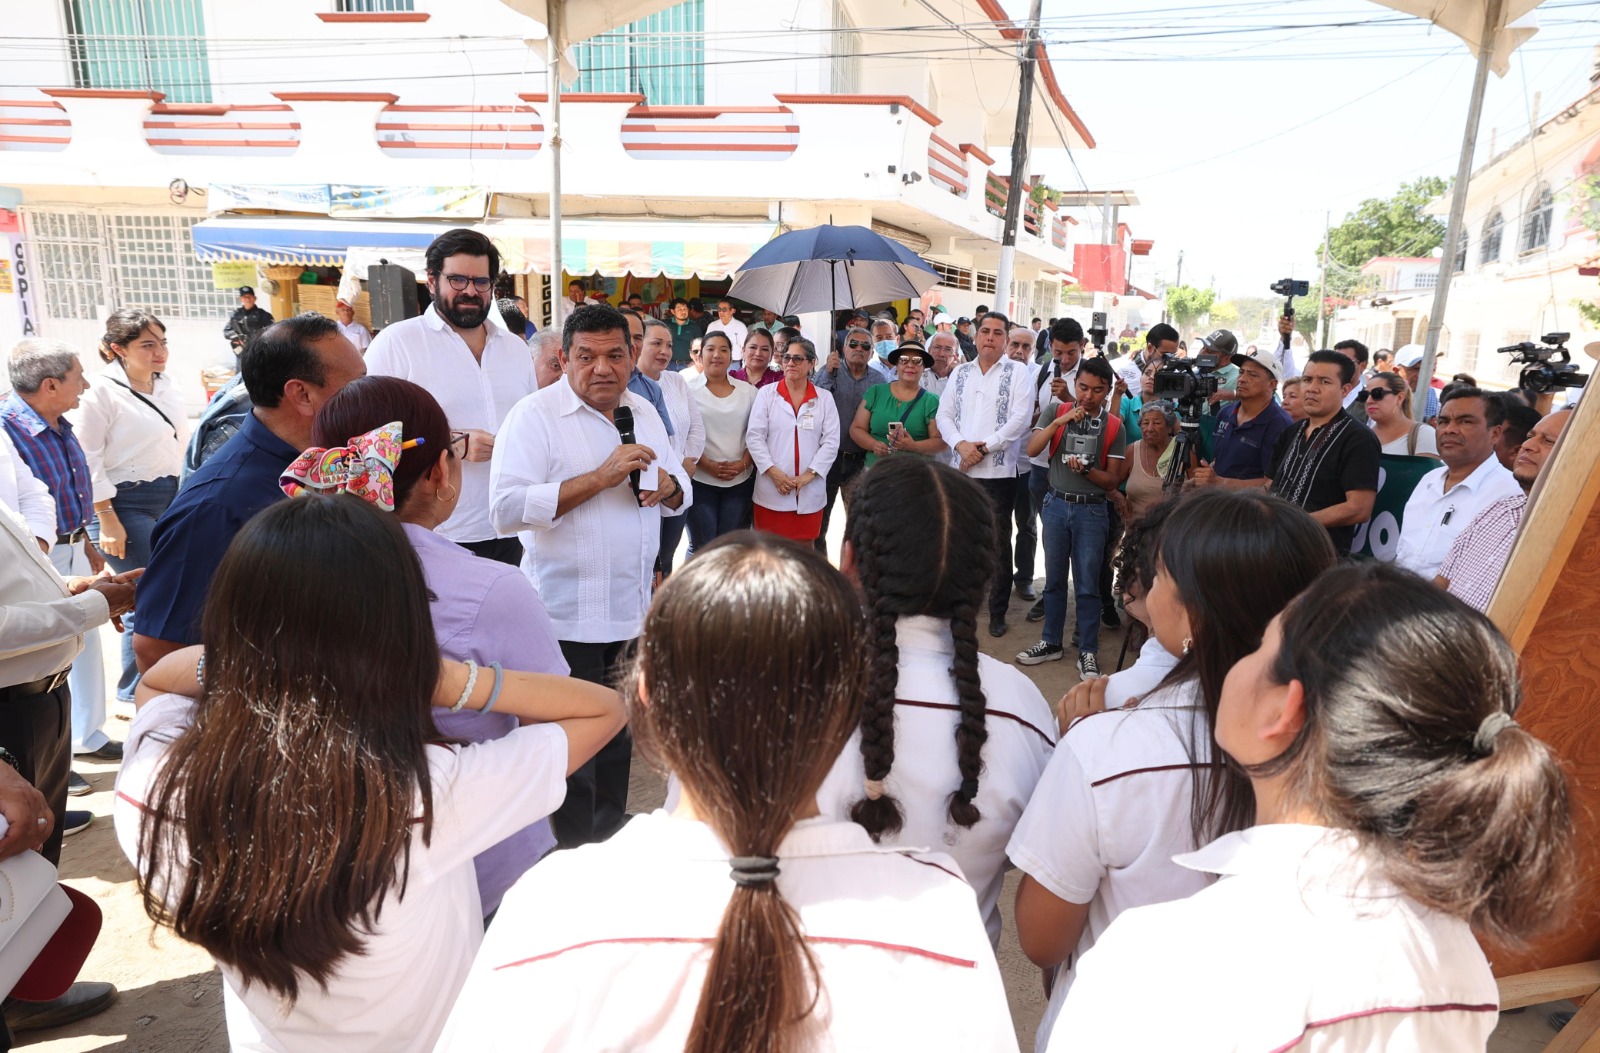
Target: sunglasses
{"type": "Point", "coordinates": [793, 360]}
{"type": "Point", "coordinates": [1378, 394]}
{"type": "Point", "coordinates": [858, 345]}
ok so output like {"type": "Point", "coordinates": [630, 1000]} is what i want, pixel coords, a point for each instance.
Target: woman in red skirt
{"type": "Point", "coordinates": [793, 438]}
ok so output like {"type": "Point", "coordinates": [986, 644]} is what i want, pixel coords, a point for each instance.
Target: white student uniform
{"type": "Point", "coordinates": [1148, 670]}
{"type": "Point", "coordinates": [396, 995]}
{"type": "Point", "coordinates": [903, 960]}
{"type": "Point", "coordinates": [794, 440]}
{"type": "Point", "coordinates": [1110, 813]}
{"type": "Point", "coordinates": [1302, 944]}
{"type": "Point", "coordinates": [1022, 732]}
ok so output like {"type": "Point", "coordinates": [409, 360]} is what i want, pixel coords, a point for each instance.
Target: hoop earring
{"type": "Point", "coordinates": [439, 494]}
{"type": "Point", "coordinates": [1187, 642]}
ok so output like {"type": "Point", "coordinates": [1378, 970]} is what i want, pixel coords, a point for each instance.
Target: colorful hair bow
{"type": "Point", "coordinates": [364, 468]}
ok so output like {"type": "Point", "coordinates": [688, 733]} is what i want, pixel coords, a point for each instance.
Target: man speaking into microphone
{"type": "Point", "coordinates": [583, 471]}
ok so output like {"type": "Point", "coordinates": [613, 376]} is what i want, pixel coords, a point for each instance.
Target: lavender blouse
{"type": "Point", "coordinates": [488, 612]}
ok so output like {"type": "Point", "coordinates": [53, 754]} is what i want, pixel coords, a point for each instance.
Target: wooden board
{"type": "Point", "coordinates": [1548, 606]}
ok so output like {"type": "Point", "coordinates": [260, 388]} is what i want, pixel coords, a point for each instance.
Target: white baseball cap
{"type": "Point", "coordinates": [1265, 359]}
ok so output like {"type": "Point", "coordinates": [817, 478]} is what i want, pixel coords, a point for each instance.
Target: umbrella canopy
{"type": "Point", "coordinates": [1466, 19]}
{"type": "Point", "coordinates": [826, 268]}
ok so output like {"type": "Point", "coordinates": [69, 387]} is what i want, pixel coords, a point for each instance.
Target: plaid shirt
{"type": "Point", "coordinates": [1479, 553]}
{"type": "Point", "coordinates": [55, 456]}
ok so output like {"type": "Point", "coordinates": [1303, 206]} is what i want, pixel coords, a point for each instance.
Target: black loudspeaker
{"type": "Point", "coordinates": [393, 292]}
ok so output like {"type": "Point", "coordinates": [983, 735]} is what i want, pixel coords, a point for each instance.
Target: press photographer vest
{"type": "Point", "coordinates": [1108, 437]}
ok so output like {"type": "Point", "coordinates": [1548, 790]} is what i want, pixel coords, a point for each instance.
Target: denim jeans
{"type": "Point", "coordinates": [718, 510]}
{"type": "Point", "coordinates": [87, 680]}
{"type": "Point", "coordinates": [1075, 536]}
{"type": "Point", "coordinates": [138, 506]}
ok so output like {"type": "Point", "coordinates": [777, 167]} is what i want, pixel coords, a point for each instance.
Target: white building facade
{"type": "Point", "coordinates": [157, 138]}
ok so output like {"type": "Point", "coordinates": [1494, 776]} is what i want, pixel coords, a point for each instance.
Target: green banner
{"type": "Point", "coordinates": [1379, 537]}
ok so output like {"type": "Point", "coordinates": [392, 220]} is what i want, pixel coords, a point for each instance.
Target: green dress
{"type": "Point", "coordinates": [884, 407]}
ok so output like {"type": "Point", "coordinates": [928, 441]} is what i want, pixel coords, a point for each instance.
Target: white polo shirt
{"type": "Point", "coordinates": [1302, 944]}
{"type": "Point", "coordinates": [1434, 516]}
{"type": "Point", "coordinates": [994, 408]}
{"type": "Point", "coordinates": [594, 565]}
{"type": "Point", "coordinates": [1110, 813]}
{"type": "Point", "coordinates": [737, 333]}
{"type": "Point", "coordinates": [1022, 733]}
{"type": "Point", "coordinates": [395, 995]}
{"type": "Point", "coordinates": [901, 956]}
{"type": "Point", "coordinates": [474, 395]}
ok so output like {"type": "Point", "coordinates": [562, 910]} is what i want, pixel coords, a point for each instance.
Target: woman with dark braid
{"type": "Point", "coordinates": [1128, 788]}
{"type": "Point", "coordinates": [951, 741]}
{"type": "Point", "coordinates": [741, 920]}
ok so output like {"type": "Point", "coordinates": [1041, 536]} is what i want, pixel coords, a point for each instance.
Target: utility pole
{"type": "Point", "coordinates": [558, 294]}
{"type": "Point", "coordinates": [1019, 160]}
{"type": "Point", "coordinates": [1180, 268]}
{"type": "Point", "coordinates": [1322, 285]}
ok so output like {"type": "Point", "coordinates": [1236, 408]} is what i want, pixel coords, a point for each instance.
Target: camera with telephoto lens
{"type": "Point", "coordinates": [1188, 384]}
{"type": "Point", "coordinates": [1549, 365]}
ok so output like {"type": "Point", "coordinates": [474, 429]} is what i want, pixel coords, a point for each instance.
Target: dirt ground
{"type": "Point", "coordinates": [171, 995]}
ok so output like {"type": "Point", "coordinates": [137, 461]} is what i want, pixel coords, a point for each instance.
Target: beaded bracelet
{"type": "Point", "coordinates": [472, 682]}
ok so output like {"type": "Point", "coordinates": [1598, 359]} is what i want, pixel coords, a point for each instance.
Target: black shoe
{"type": "Point", "coordinates": [1040, 653]}
{"type": "Point", "coordinates": [997, 627]}
{"type": "Point", "coordinates": [1088, 665]}
{"type": "Point", "coordinates": [1036, 612]}
{"type": "Point", "coordinates": [112, 750]}
{"type": "Point", "coordinates": [77, 785]}
{"type": "Point", "coordinates": [75, 822]}
{"type": "Point", "coordinates": [1026, 590]}
{"type": "Point", "coordinates": [1108, 618]}
{"type": "Point", "coordinates": [81, 1001]}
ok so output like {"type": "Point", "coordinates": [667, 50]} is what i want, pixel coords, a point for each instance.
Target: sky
{"type": "Point", "coordinates": [1240, 123]}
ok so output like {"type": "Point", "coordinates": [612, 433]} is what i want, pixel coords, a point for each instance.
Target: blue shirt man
{"type": "Point", "coordinates": [55, 457]}
{"type": "Point", "coordinates": [1248, 430]}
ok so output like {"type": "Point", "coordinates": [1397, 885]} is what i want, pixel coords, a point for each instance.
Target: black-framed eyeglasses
{"type": "Point", "coordinates": [459, 282]}
{"type": "Point", "coordinates": [458, 443]}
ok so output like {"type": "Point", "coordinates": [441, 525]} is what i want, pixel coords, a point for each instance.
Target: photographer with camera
{"type": "Point", "coordinates": [1161, 342]}
{"type": "Point", "coordinates": [1328, 463]}
{"type": "Point", "coordinates": [1088, 464]}
{"type": "Point", "coordinates": [1247, 430]}
{"type": "Point", "coordinates": [1054, 380]}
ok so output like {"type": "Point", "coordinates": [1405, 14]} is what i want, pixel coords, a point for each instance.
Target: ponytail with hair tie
{"type": "Point", "coordinates": [1490, 729]}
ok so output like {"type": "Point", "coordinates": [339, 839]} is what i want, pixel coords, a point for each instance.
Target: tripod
{"type": "Point", "coordinates": [1184, 445]}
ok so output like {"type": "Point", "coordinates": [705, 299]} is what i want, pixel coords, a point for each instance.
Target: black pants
{"type": "Point", "coordinates": [846, 467]}
{"type": "Point", "coordinates": [597, 793]}
{"type": "Point", "coordinates": [506, 550]}
{"type": "Point", "coordinates": [37, 729]}
{"type": "Point", "coordinates": [1002, 496]}
{"type": "Point", "coordinates": [1026, 515]}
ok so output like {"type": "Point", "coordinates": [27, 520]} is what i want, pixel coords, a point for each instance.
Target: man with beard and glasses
{"type": "Point", "coordinates": [476, 369]}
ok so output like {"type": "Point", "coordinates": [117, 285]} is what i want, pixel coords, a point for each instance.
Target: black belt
{"type": "Point", "coordinates": [854, 456]}
{"type": "Point", "coordinates": [18, 692]}
{"type": "Point", "coordinates": [74, 537]}
{"type": "Point", "coordinates": [1078, 499]}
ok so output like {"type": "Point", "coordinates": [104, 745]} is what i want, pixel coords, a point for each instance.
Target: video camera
{"type": "Point", "coordinates": [1188, 384]}
{"type": "Point", "coordinates": [1288, 288]}
{"type": "Point", "coordinates": [1541, 376]}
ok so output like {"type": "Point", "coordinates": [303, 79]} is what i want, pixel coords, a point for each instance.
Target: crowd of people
{"type": "Point", "coordinates": [480, 531]}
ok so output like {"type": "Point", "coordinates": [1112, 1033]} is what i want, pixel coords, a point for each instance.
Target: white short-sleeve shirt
{"type": "Point", "coordinates": [1301, 944]}
{"type": "Point", "coordinates": [1434, 516]}
{"type": "Point", "coordinates": [396, 994]}
{"type": "Point", "coordinates": [1110, 813]}
{"type": "Point", "coordinates": [1021, 730]}
{"type": "Point", "coordinates": [474, 394]}
{"type": "Point", "coordinates": [606, 947]}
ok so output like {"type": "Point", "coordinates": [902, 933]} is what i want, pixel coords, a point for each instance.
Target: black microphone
{"type": "Point", "coordinates": [623, 418]}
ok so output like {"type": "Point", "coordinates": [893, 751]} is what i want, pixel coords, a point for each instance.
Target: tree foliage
{"type": "Point", "coordinates": [1394, 226]}
{"type": "Point", "coordinates": [1187, 304]}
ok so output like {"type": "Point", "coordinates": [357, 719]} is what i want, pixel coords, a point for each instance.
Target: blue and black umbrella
{"type": "Point", "coordinates": [826, 268]}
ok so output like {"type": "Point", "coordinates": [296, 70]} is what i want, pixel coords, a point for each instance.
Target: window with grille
{"type": "Point", "coordinates": [1493, 227]}
{"type": "Point", "coordinates": [1427, 280]}
{"type": "Point", "coordinates": [846, 67]}
{"type": "Point", "coordinates": [985, 283]}
{"type": "Point", "coordinates": [1469, 352]}
{"type": "Point", "coordinates": [1461, 254]}
{"type": "Point", "coordinates": [140, 45]}
{"type": "Point", "coordinates": [1536, 220]}
{"type": "Point", "coordinates": [1402, 331]}
{"type": "Point", "coordinates": [87, 260]}
{"type": "Point", "coordinates": [954, 277]}
{"type": "Point", "coordinates": [661, 57]}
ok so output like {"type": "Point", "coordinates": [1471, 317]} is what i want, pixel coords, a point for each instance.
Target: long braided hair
{"type": "Point", "coordinates": [923, 538]}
